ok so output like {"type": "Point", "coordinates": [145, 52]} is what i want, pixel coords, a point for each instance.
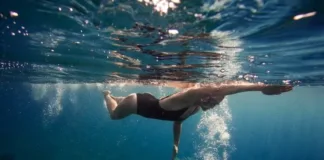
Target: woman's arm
{"type": "Point", "coordinates": [233, 87]}
{"type": "Point", "coordinates": [164, 83]}
{"type": "Point", "coordinates": [176, 138]}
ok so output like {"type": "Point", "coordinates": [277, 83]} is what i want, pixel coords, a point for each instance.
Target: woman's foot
{"type": "Point", "coordinates": [108, 93]}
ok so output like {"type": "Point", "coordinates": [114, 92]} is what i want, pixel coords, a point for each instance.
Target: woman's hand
{"type": "Point", "coordinates": [175, 152]}
{"type": "Point", "coordinates": [276, 89]}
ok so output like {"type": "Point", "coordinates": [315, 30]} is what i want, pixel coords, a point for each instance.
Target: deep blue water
{"type": "Point", "coordinates": [57, 56]}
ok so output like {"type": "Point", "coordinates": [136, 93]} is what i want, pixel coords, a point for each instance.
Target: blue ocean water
{"type": "Point", "coordinates": [56, 56]}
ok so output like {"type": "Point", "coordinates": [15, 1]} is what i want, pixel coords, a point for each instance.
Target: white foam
{"type": "Point", "coordinates": [217, 5]}
{"type": "Point", "coordinates": [214, 131]}
{"type": "Point", "coordinates": [52, 95]}
{"type": "Point", "coordinates": [229, 45]}
{"type": "Point", "coordinates": [161, 6]}
{"type": "Point", "coordinates": [259, 3]}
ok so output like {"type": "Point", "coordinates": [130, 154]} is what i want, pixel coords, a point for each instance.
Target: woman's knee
{"type": "Point", "coordinates": [125, 108]}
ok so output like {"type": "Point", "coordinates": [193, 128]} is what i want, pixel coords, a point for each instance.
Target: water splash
{"type": "Point", "coordinates": [229, 45]}
{"type": "Point", "coordinates": [161, 6]}
{"type": "Point", "coordinates": [217, 5]}
{"type": "Point", "coordinates": [52, 96]}
{"type": "Point", "coordinates": [213, 129]}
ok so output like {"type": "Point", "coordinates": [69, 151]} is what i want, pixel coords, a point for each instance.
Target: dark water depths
{"type": "Point", "coordinates": [101, 40]}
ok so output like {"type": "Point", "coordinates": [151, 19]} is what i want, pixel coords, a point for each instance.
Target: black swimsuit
{"type": "Point", "coordinates": [148, 106]}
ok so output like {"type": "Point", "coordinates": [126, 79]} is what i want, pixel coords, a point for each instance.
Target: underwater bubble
{"type": "Point", "coordinates": [306, 15]}
{"type": "Point", "coordinates": [13, 14]}
{"type": "Point", "coordinates": [173, 31]}
{"type": "Point", "coordinates": [286, 81]}
{"type": "Point", "coordinates": [225, 136]}
{"type": "Point", "coordinates": [172, 5]}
